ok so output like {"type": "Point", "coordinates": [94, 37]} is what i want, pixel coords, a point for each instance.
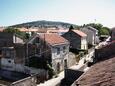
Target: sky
{"type": "Point", "coordinates": [78, 12]}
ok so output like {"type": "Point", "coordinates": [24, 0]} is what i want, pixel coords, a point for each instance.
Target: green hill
{"type": "Point", "coordinates": [44, 24]}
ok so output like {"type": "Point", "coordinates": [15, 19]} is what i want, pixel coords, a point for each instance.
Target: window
{"type": "Point", "coordinates": [58, 50]}
{"type": "Point", "coordinates": [7, 53]}
{"type": "Point", "coordinates": [65, 63]}
{"type": "Point", "coordinates": [37, 40]}
{"type": "Point", "coordinates": [64, 49]}
{"type": "Point", "coordinates": [0, 52]}
{"type": "Point", "coordinates": [9, 61]}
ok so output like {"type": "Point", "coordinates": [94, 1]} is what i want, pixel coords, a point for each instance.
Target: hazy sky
{"type": "Point", "coordinates": [73, 11]}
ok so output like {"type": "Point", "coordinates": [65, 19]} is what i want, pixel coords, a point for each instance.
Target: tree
{"type": "Point", "coordinates": [11, 30]}
{"type": "Point", "coordinates": [27, 36]}
{"type": "Point", "coordinates": [71, 27]}
{"type": "Point", "coordinates": [16, 31]}
{"type": "Point", "coordinates": [102, 30]}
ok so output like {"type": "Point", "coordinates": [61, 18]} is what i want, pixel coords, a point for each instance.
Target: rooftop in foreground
{"type": "Point", "coordinates": [100, 74]}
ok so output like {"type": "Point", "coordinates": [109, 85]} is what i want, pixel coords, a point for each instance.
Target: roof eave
{"type": "Point", "coordinates": [59, 44]}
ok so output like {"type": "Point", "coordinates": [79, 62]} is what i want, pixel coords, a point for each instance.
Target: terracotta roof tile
{"type": "Point", "coordinates": [100, 74]}
{"type": "Point", "coordinates": [53, 39]}
{"type": "Point", "coordinates": [80, 33]}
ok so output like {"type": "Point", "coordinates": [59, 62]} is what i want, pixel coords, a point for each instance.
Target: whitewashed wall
{"type": "Point", "coordinates": [19, 67]}
{"type": "Point", "coordinates": [91, 35]}
{"type": "Point", "coordinates": [17, 39]}
{"type": "Point", "coordinates": [84, 44]}
{"type": "Point", "coordinates": [59, 58]}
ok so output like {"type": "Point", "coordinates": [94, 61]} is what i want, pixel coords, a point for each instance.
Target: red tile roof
{"type": "Point", "coordinates": [53, 39]}
{"type": "Point", "coordinates": [56, 31]}
{"type": "Point", "coordinates": [80, 33]}
{"type": "Point", "coordinates": [100, 74]}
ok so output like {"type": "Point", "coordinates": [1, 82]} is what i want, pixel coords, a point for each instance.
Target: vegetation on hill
{"type": "Point", "coordinates": [49, 24]}
{"type": "Point", "coordinates": [44, 24]}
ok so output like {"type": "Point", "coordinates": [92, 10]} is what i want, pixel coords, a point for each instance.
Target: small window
{"type": "Point", "coordinates": [58, 50]}
{"type": "Point", "coordinates": [64, 49]}
{"type": "Point", "coordinates": [37, 40]}
{"type": "Point", "coordinates": [9, 61]}
{"type": "Point", "coordinates": [0, 52]}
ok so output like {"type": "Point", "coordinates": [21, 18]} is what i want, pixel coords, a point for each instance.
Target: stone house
{"type": "Point", "coordinates": [13, 57]}
{"type": "Point", "coordinates": [92, 35]}
{"type": "Point", "coordinates": [77, 39]}
{"type": "Point", "coordinates": [12, 50]}
{"type": "Point", "coordinates": [52, 47]}
{"type": "Point", "coordinates": [9, 39]}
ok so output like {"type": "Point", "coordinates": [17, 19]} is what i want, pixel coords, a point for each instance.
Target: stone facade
{"type": "Point", "coordinates": [12, 55]}
{"type": "Point", "coordinates": [57, 54]}
{"type": "Point", "coordinates": [8, 39]}
{"type": "Point", "coordinates": [76, 41]}
{"type": "Point", "coordinates": [92, 35]}
{"type": "Point", "coordinates": [60, 57]}
{"type": "Point", "coordinates": [105, 52]}
{"type": "Point", "coordinates": [12, 50]}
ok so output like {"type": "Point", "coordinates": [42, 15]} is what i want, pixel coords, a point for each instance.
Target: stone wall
{"type": "Point", "coordinates": [105, 52]}
{"type": "Point", "coordinates": [29, 81]}
{"type": "Point", "coordinates": [74, 39]}
{"type": "Point", "coordinates": [41, 73]}
{"type": "Point", "coordinates": [20, 53]}
{"type": "Point", "coordinates": [70, 76]}
{"type": "Point", "coordinates": [6, 39]}
{"type": "Point", "coordinates": [71, 59]}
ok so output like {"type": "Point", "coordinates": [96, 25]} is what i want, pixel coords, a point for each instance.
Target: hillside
{"type": "Point", "coordinates": [44, 24]}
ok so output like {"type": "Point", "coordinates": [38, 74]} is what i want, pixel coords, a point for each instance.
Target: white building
{"type": "Point", "coordinates": [92, 35]}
